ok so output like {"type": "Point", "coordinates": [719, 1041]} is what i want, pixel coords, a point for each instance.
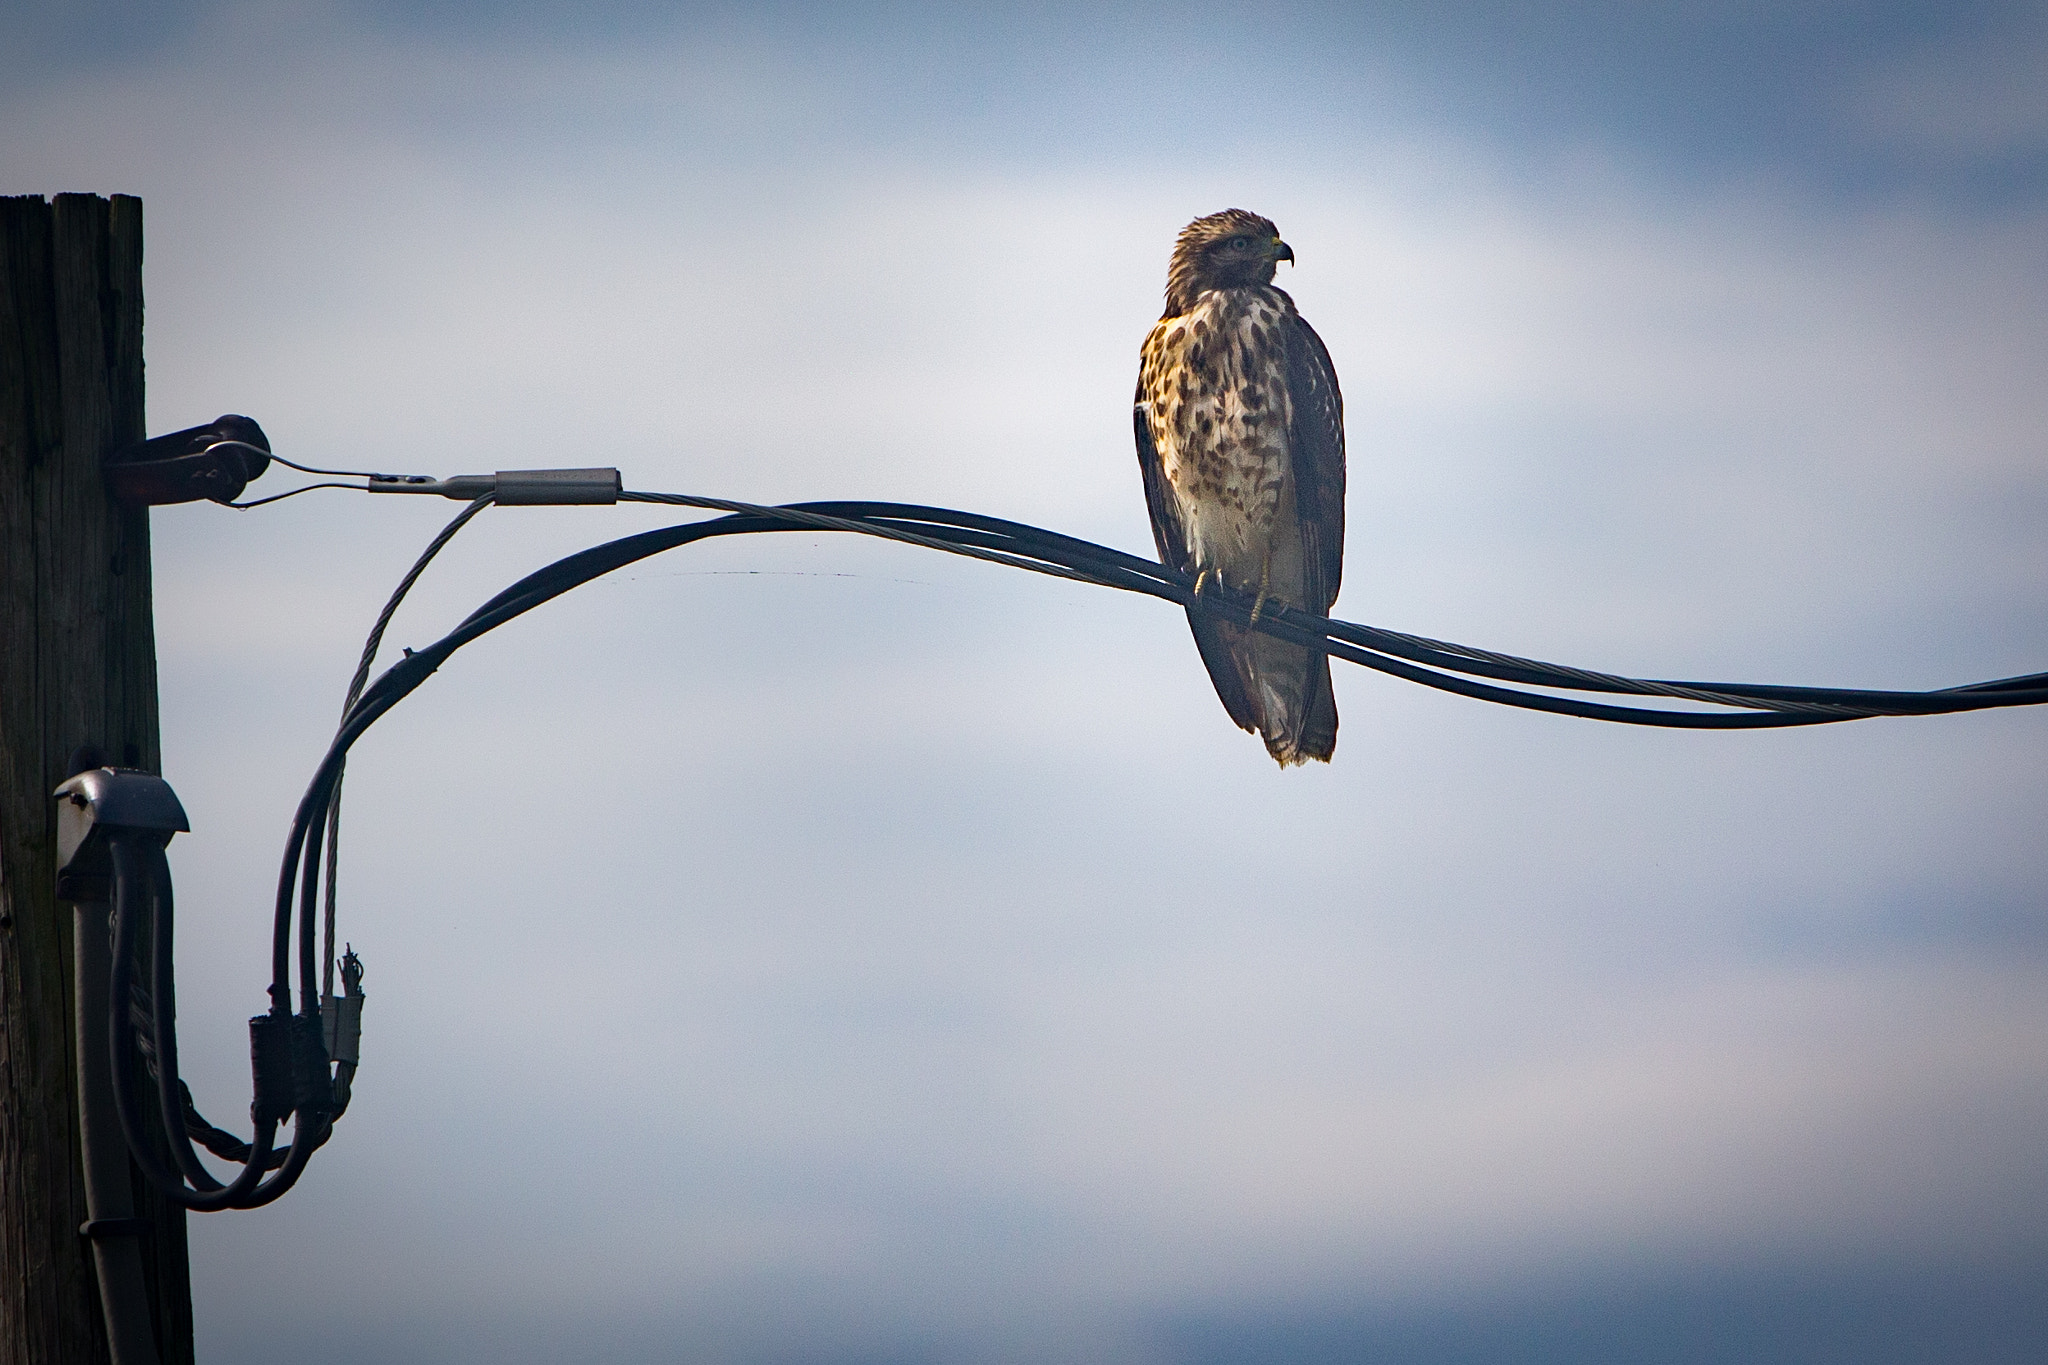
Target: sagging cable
{"type": "Point", "coordinates": [305, 1049]}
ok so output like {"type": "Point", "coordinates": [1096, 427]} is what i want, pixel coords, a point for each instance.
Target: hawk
{"type": "Point", "coordinates": [1241, 441]}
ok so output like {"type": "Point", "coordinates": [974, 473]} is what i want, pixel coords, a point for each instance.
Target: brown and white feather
{"type": "Point", "coordinates": [1239, 426]}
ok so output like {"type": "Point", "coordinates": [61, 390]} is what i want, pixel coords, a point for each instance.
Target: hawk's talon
{"type": "Point", "coordinates": [1265, 583]}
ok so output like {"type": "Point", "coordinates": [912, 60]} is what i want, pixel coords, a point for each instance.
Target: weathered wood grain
{"type": "Point", "coordinates": [77, 667]}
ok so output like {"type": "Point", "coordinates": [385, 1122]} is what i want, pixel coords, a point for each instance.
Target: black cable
{"type": "Point", "coordinates": [355, 690]}
{"type": "Point", "coordinates": [1432, 663]}
{"type": "Point", "coordinates": [181, 1114]}
{"type": "Point", "coordinates": [1013, 542]}
{"type": "Point", "coordinates": [142, 874]}
{"type": "Point", "coordinates": [292, 1076]}
{"type": "Point", "coordinates": [139, 876]}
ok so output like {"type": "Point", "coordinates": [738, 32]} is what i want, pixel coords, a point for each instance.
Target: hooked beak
{"type": "Point", "coordinates": [1282, 251]}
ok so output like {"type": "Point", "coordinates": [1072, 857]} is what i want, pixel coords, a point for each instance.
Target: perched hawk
{"type": "Point", "coordinates": [1241, 440]}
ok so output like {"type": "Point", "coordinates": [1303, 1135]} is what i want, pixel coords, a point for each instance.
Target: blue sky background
{"type": "Point", "coordinates": [813, 951]}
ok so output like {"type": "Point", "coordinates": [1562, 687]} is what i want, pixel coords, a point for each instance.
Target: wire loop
{"type": "Point", "coordinates": [1486, 675]}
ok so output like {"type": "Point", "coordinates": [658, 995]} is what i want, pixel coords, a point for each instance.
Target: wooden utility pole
{"type": "Point", "coordinates": [77, 669]}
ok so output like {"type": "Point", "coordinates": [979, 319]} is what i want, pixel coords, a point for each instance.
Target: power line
{"type": "Point", "coordinates": [290, 1059]}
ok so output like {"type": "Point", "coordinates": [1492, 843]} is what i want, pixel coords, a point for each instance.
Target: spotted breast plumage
{"type": "Point", "coordinates": [1240, 429]}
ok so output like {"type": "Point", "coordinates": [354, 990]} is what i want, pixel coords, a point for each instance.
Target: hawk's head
{"type": "Point", "coordinates": [1226, 250]}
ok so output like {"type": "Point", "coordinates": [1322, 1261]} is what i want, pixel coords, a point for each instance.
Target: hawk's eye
{"type": "Point", "coordinates": [1240, 243]}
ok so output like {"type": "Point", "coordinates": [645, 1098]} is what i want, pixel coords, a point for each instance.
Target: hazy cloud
{"type": "Point", "coordinates": [801, 949]}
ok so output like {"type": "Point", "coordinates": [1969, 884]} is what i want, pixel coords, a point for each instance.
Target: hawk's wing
{"type": "Point", "coordinates": [1317, 441]}
{"type": "Point", "coordinates": [1167, 532]}
{"type": "Point", "coordinates": [1212, 638]}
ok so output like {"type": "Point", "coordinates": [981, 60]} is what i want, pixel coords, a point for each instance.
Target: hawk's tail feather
{"type": "Point", "coordinates": [1221, 646]}
{"type": "Point", "coordinates": [1318, 737]}
{"type": "Point", "coordinates": [1279, 691]}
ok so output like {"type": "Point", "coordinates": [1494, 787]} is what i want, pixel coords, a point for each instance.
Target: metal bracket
{"type": "Point", "coordinates": [99, 1229]}
{"type": "Point", "coordinates": [216, 461]}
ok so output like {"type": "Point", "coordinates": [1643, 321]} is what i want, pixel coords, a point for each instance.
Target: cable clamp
{"type": "Point", "coordinates": [514, 487]}
{"type": "Point", "coordinates": [341, 1023]}
{"type": "Point", "coordinates": [216, 461]}
{"type": "Point", "coordinates": [341, 1016]}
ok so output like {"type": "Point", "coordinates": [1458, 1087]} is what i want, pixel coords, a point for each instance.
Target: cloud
{"type": "Point", "coordinates": [1973, 97]}
{"type": "Point", "coordinates": [796, 941]}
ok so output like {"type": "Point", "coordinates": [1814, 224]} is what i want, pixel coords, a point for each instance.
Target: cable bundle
{"type": "Point", "coordinates": [288, 1045]}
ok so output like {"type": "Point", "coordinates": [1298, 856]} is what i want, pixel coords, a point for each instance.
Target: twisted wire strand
{"type": "Point", "coordinates": [355, 691]}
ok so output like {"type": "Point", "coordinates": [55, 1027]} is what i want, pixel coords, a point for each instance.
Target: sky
{"type": "Point", "coordinates": [798, 950]}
